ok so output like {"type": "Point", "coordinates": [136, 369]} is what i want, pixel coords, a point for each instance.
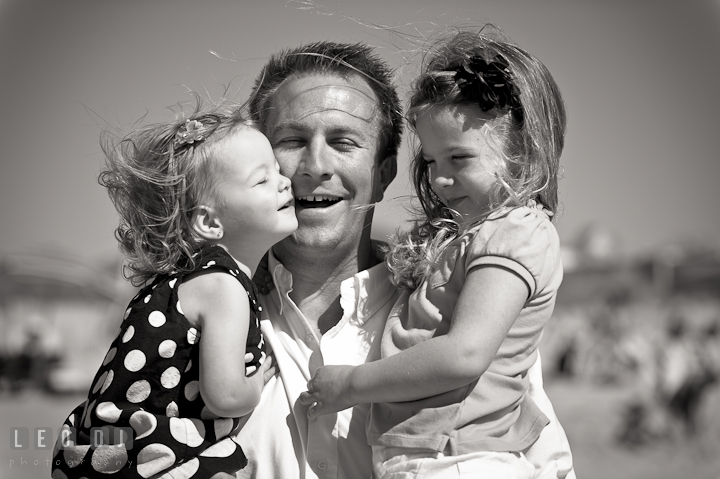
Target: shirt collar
{"type": "Point", "coordinates": [366, 292]}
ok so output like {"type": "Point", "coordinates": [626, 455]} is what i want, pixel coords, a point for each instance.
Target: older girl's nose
{"type": "Point", "coordinates": [442, 181]}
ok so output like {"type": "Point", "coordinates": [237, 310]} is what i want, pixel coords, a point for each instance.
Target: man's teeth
{"type": "Point", "coordinates": [317, 198]}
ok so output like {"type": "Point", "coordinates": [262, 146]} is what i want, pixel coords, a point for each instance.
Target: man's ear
{"type": "Point", "coordinates": [388, 170]}
{"type": "Point", "coordinates": [207, 224]}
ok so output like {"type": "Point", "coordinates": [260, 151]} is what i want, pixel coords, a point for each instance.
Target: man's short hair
{"type": "Point", "coordinates": [330, 58]}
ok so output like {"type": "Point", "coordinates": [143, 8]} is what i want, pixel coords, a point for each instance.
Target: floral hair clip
{"type": "Point", "coordinates": [489, 84]}
{"type": "Point", "coordinates": [189, 133]}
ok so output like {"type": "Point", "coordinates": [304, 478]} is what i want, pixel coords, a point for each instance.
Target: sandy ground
{"type": "Point", "coordinates": [590, 414]}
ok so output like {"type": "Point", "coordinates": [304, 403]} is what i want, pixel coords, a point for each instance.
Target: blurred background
{"type": "Point", "coordinates": [631, 357]}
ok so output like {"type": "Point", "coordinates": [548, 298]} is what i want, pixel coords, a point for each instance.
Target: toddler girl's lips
{"type": "Point", "coordinates": [287, 205]}
{"type": "Point", "coordinates": [317, 201]}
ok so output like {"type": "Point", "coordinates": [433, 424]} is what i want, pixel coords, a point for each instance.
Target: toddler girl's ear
{"type": "Point", "coordinates": [207, 224]}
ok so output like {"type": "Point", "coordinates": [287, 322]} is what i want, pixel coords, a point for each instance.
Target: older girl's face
{"type": "Point", "coordinates": [458, 149]}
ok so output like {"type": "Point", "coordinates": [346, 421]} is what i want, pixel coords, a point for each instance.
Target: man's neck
{"type": "Point", "coordinates": [317, 275]}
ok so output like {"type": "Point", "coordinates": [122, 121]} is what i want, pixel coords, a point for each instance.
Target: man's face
{"type": "Point", "coordinates": [324, 131]}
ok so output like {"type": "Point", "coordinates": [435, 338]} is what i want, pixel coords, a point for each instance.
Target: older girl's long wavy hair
{"type": "Point", "coordinates": [528, 146]}
{"type": "Point", "coordinates": [156, 184]}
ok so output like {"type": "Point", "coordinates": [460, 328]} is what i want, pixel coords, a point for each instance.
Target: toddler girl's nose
{"type": "Point", "coordinates": [284, 183]}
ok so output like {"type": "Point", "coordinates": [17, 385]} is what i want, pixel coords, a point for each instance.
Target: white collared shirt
{"type": "Point", "coordinates": [278, 439]}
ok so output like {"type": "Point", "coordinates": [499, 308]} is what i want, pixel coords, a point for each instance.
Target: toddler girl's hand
{"type": "Point", "coordinates": [328, 391]}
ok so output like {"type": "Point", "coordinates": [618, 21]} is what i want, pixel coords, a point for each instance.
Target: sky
{"type": "Point", "coordinates": [640, 81]}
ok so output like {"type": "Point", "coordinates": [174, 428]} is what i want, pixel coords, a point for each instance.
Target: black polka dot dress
{"type": "Point", "coordinates": [148, 385]}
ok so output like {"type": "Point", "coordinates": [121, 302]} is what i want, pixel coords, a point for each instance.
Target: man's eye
{"type": "Point", "coordinates": [290, 142]}
{"type": "Point", "coordinates": [343, 144]}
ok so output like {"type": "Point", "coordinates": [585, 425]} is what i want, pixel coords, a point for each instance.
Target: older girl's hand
{"type": "Point", "coordinates": [329, 391]}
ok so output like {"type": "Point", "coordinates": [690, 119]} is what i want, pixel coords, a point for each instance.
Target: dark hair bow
{"type": "Point", "coordinates": [489, 84]}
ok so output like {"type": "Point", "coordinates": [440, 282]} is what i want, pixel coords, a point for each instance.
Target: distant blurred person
{"type": "Point", "coordinates": [200, 201]}
{"type": "Point", "coordinates": [683, 378]}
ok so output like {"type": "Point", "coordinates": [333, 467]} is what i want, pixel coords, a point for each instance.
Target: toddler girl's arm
{"type": "Point", "coordinates": [219, 304]}
{"type": "Point", "coordinates": [489, 304]}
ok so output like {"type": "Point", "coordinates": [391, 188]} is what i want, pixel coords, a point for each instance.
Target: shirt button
{"type": "Point", "coordinates": [321, 465]}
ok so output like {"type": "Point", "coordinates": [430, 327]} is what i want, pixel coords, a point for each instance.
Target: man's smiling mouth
{"type": "Point", "coordinates": [316, 201]}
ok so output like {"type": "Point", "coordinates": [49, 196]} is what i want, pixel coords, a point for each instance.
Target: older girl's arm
{"type": "Point", "coordinates": [489, 304]}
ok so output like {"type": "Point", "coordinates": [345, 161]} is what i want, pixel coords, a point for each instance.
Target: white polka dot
{"type": "Point", "coordinates": [259, 308]}
{"type": "Point", "coordinates": [99, 382]}
{"type": "Point", "coordinates": [193, 335]}
{"type": "Point", "coordinates": [210, 263]}
{"type": "Point", "coordinates": [167, 348]}
{"type": "Point", "coordinates": [248, 357]}
{"type": "Point", "coordinates": [170, 377]}
{"type": "Point", "coordinates": [250, 369]}
{"type": "Point", "coordinates": [143, 423]}
{"type": "Point", "coordinates": [87, 423]}
{"type": "Point", "coordinates": [128, 334]}
{"type": "Point", "coordinates": [109, 459]}
{"type": "Point", "coordinates": [206, 413]}
{"type": "Point", "coordinates": [147, 298]}
{"type": "Point", "coordinates": [189, 365]}
{"type": "Point", "coordinates": [127, 313]}
{"type": "Point", "coordinates": [172, 283]}
{"type": "Point", "coordinates": [223, 448]}
{"type": "Point", "coordinates": [109, 356]}
{"type": "Point", "coordinates": [186, 470]}
{"type": "Point", "coordinates": [177, 305]}
{"type": "Point", "coordinates": [187, 431]}
{"type": "Point", "coordinates": [108, 381]}
{"type": "Point", "coordinates": [156, 319]}
{"type": "Point", "coordinates": [153, 459]}
{"type": "Point", "coordinates": [135, 360]}
{"type": "Point", "coordinates": [223, 427]}
{"type": "Point", "coordinates": [108, 412]}
{"type": "Point", "coordinates": [82, 417]}
{"type": "Point", "coordinates": [73, 455]}
{"type": "Point", "coordinates": [191, 390]}
{"type": "Point", "coordinates": [58, 474]}
{"type": "Point", "coordinates": [138, 391]}
{"type": "Point", "coordinates": [172, 410]}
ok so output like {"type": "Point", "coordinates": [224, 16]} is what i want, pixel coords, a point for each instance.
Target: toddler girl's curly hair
{"type": "Point", "coordinates": [528, 143]}
{"type": "Point", "coordinates": [156, 182]}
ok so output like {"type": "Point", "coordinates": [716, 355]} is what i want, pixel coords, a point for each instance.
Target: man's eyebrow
{"type": "Point", "coordinates": [294, 125]}
{"type": "Point", "coordinates": [288, 125]}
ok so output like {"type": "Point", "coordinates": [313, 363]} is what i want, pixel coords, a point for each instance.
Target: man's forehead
{"type": "Point", "coordinates": [301, 97]}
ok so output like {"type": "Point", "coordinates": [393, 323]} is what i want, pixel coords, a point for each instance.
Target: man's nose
{"type": "Point", "coordinates": [316, 161]}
